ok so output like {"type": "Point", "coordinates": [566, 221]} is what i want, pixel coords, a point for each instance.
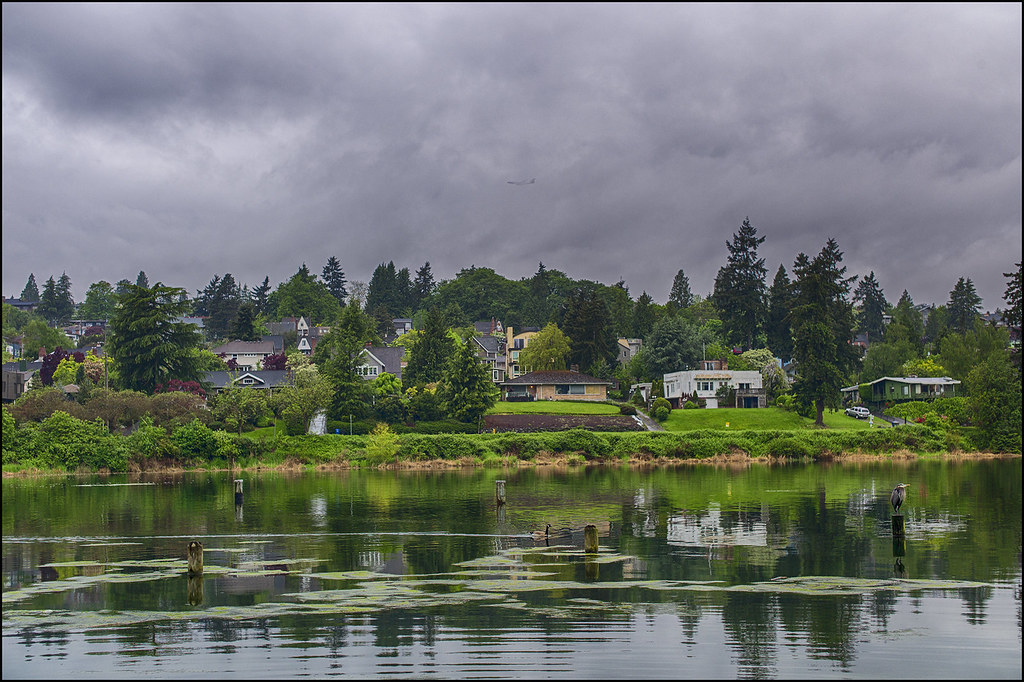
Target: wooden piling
{"type": "Point", "coordinates": [499, 492]}
{"type": "Point", "coordinates": [238, 491]}
{"type": "Point", "coordinates": [195, 590]}
{"type": "Point", "coordinates": [590, 539]}
{"type": "Point", "coordinates": [899, 528]}
{"type": "Point", "coordinates": [195, 558]}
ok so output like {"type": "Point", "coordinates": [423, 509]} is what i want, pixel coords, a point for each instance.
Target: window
{"type": "Point", "coordinates": [248, 381]}
{"type": "Point", "coordinates": [744, 387]}
{"type": "Point", "coordinates": [570, 389]}
{"type": "Point", "coordinates": [367, 370]}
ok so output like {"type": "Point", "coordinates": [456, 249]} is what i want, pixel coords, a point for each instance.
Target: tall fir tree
{"type": "Point", "coordinates": [31, 291]}
{"type": "Point", "coordinates": [65, 303]}
{"type": "Point", "coordinates": [243, 327]}
{"type": "Point", "coordinates": [872, 307]}
{"type": "Point", "coordinates": [587, 322]}
{"type": "Point", "coordinates": [466, 389]}
{"type": "Point", "coordinates": [822, 321]}
{"type": "Point", "coordinates": [338, 354]}
{"type": "Point", "coordinates": [431, 352]}
{"type": "Point", "coordinates": [149, 346]}
{"type": "Point", "coordinates": [423, 285]}
{"type": "Point", "coordinates": [47, 308]}
{"type": "Point", "coordinates": [776, 325]}
{"type": "Point", "coordinates": [739, 291]}
{"type": "Point", "coordinates": [261, 296]}
{"type": "Point", "coordinates": [334, 278]}
{"type": "Point", "coordinates": [644, 315]}
{"type": "Point", "coordinates": [964, 305]}
{"type": "Point", "coordinates": [142, 280]}
{"type": "Point", "coordinates": [1012, 297]}
{"type": "Point", "coordinates": [680, 297]}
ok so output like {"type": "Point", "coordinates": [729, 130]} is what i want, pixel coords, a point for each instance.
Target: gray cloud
{"type": "Point", "coordinates": [192, 140]}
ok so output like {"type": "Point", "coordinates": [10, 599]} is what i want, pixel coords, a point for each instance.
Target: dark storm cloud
{"type": "Point", "coordinates": [190, 140]}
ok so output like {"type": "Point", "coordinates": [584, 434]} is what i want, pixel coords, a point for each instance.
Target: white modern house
{"type": "Point", "coordinates": [706, 383]}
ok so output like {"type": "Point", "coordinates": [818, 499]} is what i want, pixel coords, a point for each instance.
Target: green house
{"type": "Point", "coordinates": [893, 389]}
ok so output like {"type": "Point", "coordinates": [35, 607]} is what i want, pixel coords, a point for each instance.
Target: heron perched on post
{"type": "Point", "coordinates": [899, 494]}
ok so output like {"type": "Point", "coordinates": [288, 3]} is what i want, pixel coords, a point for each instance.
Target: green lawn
{"type": "Point", "coordinates": [772, 418]}
{"type": "Point", "coordinates": [553, 407]}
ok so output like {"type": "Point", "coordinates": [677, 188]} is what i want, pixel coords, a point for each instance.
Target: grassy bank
{"type": "Point", "coordinates": [771, 418]}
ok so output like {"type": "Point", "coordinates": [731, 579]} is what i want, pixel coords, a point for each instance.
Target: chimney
{"type": "Point", "coordinates": [574, 368]}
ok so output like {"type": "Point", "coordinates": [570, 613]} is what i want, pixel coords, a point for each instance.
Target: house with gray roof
{"type": "Point", "coordinates": [893, 389]}
{"type": "Point", "coordinates": [264, 379]}
{"type": "Point", "coordinates": [491, 351]}
{"type": "Point", "coordinates": [379, 359]}
{"type": "Point", "coordinates": [247, 354]}
{"type": "Point", "coordinates": [555, 385]}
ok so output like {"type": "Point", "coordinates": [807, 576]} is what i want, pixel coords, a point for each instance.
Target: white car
{"type": "Point", "coordinates": [858, 412]}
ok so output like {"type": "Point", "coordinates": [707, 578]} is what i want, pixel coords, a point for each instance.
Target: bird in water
{"type": "Point", "coordinates": [899, 494]}
{"type": "Point", "coordinates": [542, 534]}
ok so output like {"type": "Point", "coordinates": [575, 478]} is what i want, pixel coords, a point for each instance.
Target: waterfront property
{"type": "Point", "coordinates": [705, 383]}
{"type": "Point", "coordinates": [903, 388]}
{"type": "Point", "coordinates": [555, 385]}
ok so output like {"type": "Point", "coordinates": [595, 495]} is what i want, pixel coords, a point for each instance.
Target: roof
{"type": "Point", "coordinates": [556, 377]}
{"type": "Point", "coordinates": [924, 381]}
{"type": "Point", "coordinates": [268, 378]}
{"type": "Point", "coordinates": [490, 344]}
{"type": "Point", "coordinates": [246, 347]}
{"type": "Point", "coordinates": [389, 357]}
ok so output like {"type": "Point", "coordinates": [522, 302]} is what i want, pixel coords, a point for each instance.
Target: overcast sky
{"type": "Point", "coordinates": [193, 140]}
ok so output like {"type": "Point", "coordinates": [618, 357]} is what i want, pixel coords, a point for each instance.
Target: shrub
{"type": "Point", "coordinates": [690, 405]}
{"type": "Point", "coordinates": [195, 439]}
{"type": "Point", "coordinates": [381, 445]}
{"type": "Point", "coordinates": [660, 413]}
{"type": "Point", "coordinates": [627, 410]}
{"type": "Point", "coordinates": [789, 446]}
{"type": "Point", "coordinates": [591, 444]}
{"type": "Point", "coordinates": [148, 441]}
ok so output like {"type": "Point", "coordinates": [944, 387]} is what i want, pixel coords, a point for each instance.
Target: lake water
{"type": "Point", "coordinates": [702, 571]}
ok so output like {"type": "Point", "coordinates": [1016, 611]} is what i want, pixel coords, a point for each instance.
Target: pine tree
{"type": "Point", "coordinates": [644, 315]}
{"type": "Point", "coordinates": [334, 278]}
{"type": "Point", "coordinates": [47, 308]}
{"type": "Point", "coordinates": [142, 280]}
{"type": "Point", "coordinates": [423, 285]}
{"type": "Point", "coordinates": [587, 322]}
{"type": "Point", "coordinates": [740, 288]}
{"type": "Point", "coordinates": [31, 291]}
{"type": "Point", "coordinates": [822, 321]}
{"type": "Point", "coordinates": [776, 325]}
{"type": "Point", "coordinates": [1012, 297]}
{"type": "Point", "coordinates": [146, 342]}
{"type": "Point", "coordinates": [466, 390]}
{"type": "Point", "coordinates": [65, 304]}
{"type": "Point", "coordinates": [261, 295]}
{"type": "Point", "coordinates": [963, 306]}
{"type": "Point", "coordinates": [872, 307]}
{"type": "Point", "coordinates": [430, 353]}
{"type": "Point", "coordinates": [680, 297]}
{"type": "Point", "coordinates": [244, 326]}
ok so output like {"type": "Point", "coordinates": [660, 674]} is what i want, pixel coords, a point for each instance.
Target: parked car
{"type": "Point", "coordinates": [858, 412]}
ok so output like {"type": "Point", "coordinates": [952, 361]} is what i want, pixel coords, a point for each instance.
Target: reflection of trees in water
{"type": "Point", "coordinates": [881, 606]}
{"type": "Point", "coordinates": [829, 624]}
{"type": "Point", "coordinates": [974, 601]}
{"type": "Point", "coordinates": [749, 621]}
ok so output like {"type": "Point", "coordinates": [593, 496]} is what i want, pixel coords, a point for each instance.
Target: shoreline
{"type": "Point", "coordinates": [291, 464]}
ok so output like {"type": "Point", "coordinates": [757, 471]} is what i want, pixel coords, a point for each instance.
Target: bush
{"type": "Point", "coordinates": [628, 410]}
{"type": "Point", "coordinates": [691, 405]}
{"type": "Point", "coordinates": [195, 439]}
{"type": "Point", "coordinates": [381, 445]}
{"type": "Point", "coordinates": [660, 413]}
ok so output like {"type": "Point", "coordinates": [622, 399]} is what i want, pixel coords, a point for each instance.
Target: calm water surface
{"type": "Point", "coordinates": [759, 571]}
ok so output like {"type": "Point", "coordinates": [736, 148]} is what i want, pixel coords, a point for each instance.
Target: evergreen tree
{"type": "Point", "coordinates": [776, 326]}
{"type": "Point", "coordinates": [1011, 296]}
{"type": "Point", "coordinates": [244, 326]}
{"type": "Point", "coordinates": [675, 344]}
{"type": "Point", "coordinates": [261, 295]}
{"type": "Point", "coordinates": [587, 321]}
{"type": "Point", "coordinates": [146, 342]}
{"type": "Point", "coordinates": [907, 326]}
{"type": "Point", "coordinates": [423, 286]}
{"type": "Point", "coordinates": [48, 307]}
{"type": "Point", "coordinates": [303, 295]}
{"type": "Point", "coordinates": [31, 291]}
{"type": "Point", "coordinates": [872, 307]}
{"type": "Point", "coordinates": [740, 288]}
{"type": "Point", "coordinates": [142, 280]}
{"type": "Point", "coordinates": [338, 354]}
{"type": "Point", "coordinates": [406, 294]}
{"type": "Point", "coordinates": [466, 391]}
{"type": "Point", "coordinates": [201, 305]}
{"type": "Point", "coordinates": [431, 352]}
{"type": "Point", "coordinates": [121, 287]}
{"type": "Point", "coordinates": [963, 306]}
{"type": "Point", "coordinates": [383, 298]}
{"type": "Point", "coordinates": [222, 307]}
{"type": "Point", "coordinates": [936, 326]}
{"type": "Point", "coordinates": [680, 297]}
{"type": "Point", "coordinates": [334, 279]}
{"type": "Point", "coordinates": [822, 321]}
{"type": "Point", "coordinates": [65, 304]}
{"type": "Point", "coordinates": [644, 316]}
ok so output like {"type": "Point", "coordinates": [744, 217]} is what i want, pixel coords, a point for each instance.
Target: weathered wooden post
{"type": "Point", "coordinates": [195, 590]}
{"type": "Point", "coordinates": [238, 491]}
{"type": "Point", "coordinates": [590, 539]}
{"type": "Point", "coordinates": [499, 492]}
{"type": "Point", "coordinates": [899, 528]}
{"type": "Point", "coordinates": [195, 558]}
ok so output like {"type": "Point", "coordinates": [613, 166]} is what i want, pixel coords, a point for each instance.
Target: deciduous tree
{"type": "Point", "coordinates": [549, 349]}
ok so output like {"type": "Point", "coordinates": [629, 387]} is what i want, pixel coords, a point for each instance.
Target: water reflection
{"type": "Point", "coordinates": [423, 574]}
